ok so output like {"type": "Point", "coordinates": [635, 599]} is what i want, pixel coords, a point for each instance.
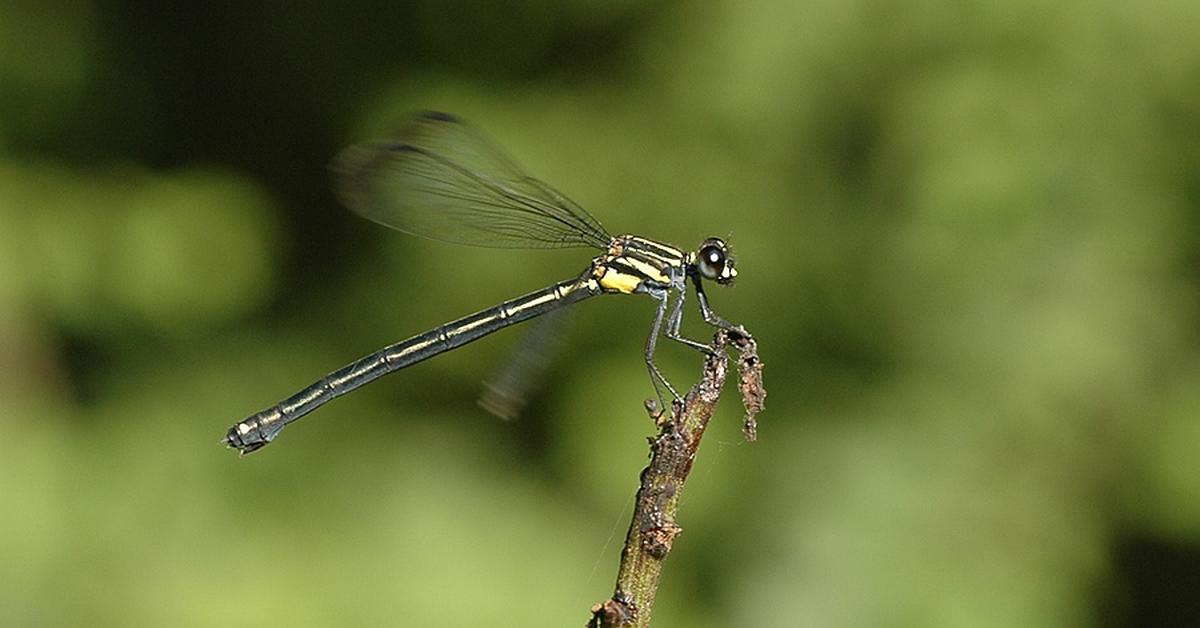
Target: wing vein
{"type": "Point", "coordinates": [442, 179]}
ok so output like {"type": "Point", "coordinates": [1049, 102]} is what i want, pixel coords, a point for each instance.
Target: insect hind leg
{"type": "Point", "coordinates": [656, 376]}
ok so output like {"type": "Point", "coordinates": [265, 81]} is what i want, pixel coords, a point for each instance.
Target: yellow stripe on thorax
{"type": "Point", "coordinates": [652, 272]}
{"type": "Point", "coordinates": [614, 280]}
{"type": "Point", "coordinates": [651, 251]}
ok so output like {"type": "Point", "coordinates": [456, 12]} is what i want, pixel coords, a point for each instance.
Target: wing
{"type": "Point", "coordinates": [507, 391]}
{"type": "Point", "coordinates": [443, 180]}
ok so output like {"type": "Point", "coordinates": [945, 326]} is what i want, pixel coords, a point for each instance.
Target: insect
{"type": "Point", "coordinates": [442, 179]}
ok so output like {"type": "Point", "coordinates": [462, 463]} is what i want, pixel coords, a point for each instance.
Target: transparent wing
{"type": "Point", "coordinates": [442, 179]}
{"type": "Point", "coordinates": [508, 390]}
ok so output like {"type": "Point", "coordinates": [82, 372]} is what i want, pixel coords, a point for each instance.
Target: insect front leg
{"type": "Point", "coordinates": [711, 317]}
{"type": "Point", "coordinates": [676, 319]}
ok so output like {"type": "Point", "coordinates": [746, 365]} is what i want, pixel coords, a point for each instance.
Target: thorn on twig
{"type": "Point", "coordinates": [658, 540]}
{"type": "Point", "coordinates": [656, 413]}
{"type": "Point", "coordinates": [613, 612]}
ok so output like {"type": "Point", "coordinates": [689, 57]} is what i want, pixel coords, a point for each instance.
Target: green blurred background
{"type": "Point", "coordinates": [967, 235]}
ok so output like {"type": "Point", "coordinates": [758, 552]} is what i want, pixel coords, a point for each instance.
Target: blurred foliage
{"type": "Point", "coordinates": [968, 242]}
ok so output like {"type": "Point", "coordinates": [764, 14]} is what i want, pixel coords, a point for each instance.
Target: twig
{"type": "Point", "coordinates": [653, 529]}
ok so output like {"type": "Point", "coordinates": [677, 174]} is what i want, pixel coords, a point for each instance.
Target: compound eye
{"type": "Point", "coordinates": [711, 261]}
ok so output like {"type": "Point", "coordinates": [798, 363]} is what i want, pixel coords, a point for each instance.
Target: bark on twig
{"type": "Point", "coordinates": [653, 529]}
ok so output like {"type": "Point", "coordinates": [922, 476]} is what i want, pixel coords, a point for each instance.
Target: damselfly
{"type": "Point", "coordinates": [444, 180]}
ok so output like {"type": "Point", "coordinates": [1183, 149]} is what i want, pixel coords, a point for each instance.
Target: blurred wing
{"type": "Point", "coordinates": [507, 391]}
{"type": "Point", "coordinates": [443, 180]}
